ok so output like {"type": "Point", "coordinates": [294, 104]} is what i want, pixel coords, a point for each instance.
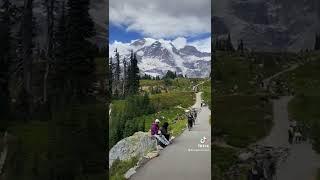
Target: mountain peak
{"type": "Point", "coordinates": [157, 56]}
{"type": "Point", "coordinates": [139, 42]}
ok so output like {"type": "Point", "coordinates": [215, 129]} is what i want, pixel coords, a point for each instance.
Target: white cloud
{"type": "Point", "coordinates": [203, 45]}
{"type": "Point", "coordinates": [179, 42]}
{"type": "Point", "coordinates": [162, 18]}
{"type": "Point", "coordinates": [121, 47]}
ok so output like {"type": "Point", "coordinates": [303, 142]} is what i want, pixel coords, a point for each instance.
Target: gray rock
{"type": "Point", "coordinates": [130, 172]}
{"type": "Point", "coordinates": [136, 145]}
{"type": "Point", "coordinates": [152, 155]}
{"type": "Point", "coordinates": [245, 156]}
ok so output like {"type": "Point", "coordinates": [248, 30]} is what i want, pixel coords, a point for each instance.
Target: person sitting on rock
{"type": "Point", "coordinates": [293, 124]}
{"type": "Point", "coordinates": [155, 132]}
{"type": "Point", "coordinates": [164, 130]}
{"type": "Point", "coordinates": [298, 137]}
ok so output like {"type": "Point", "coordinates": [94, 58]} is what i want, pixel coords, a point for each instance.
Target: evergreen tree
{"type": "Point", "coordinates": [125, 78]}
{"type": "Point", "coordinates": [170, 75]}
{"type": "Point", "coordinates": [133, 76]}
{"type": "Point", "coordinates": [27, 46]}
{"type": "Point", "coordinates": [109, 82]}
{"type": "Point", "coordinates": [59, 64]}
{"type": "Point", "coordinates": [81, 64]}
{"type": "Point", "coordinates": [241, 46]}
{"type": "Point", "coordinates": [78, 127]}
{"type": "Point", "coordinates": [317, 42]}
{"type": "Point", "coordinates": [117, 74]}
{"type": "Point", "coordinates": [229, 46]}
{"type": "Point", "coordinates": [5, 58]}
{"type": "Point", "coordinates": [111, 77]}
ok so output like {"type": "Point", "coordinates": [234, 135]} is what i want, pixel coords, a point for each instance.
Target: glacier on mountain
{"type": "Point", "coordinates": [157, 56]}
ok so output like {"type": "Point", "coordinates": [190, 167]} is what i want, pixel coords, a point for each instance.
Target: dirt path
{"type": "Point", "coordinates": [176, 161]}
{"type": "Point", "coordinates": [267, 81]}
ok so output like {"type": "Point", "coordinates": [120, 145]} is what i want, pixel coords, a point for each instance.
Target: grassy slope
{"type": "Point", "coordinates": [241, 119]}
{"type": "Point", "coordinates": [236, 69]}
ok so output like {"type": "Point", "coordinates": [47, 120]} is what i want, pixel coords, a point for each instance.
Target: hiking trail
{"type": "Point", "coordinates": [302, 161]}
{"type": "Point", "coordinates": [176, 161]}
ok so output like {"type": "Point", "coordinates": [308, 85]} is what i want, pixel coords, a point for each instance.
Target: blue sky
{"type": "Point", "coordinates": [119, 33]}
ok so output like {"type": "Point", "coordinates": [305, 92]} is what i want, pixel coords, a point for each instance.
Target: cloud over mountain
{"type": "Point", "coordinates": [162, 19]}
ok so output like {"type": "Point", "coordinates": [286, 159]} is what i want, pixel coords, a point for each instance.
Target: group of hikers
{"type": "Point", "coordinates": [191, 118]}
{"type": "Point", "coordinates": [295, 133]}
{"type": "Point", "coordinates": [263, 170]}
{"type": "Point", "coordinates": [162, 135]}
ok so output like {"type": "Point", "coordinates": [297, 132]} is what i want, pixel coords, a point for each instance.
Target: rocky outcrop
{"type": "Point", "coordinates": [137, 145]}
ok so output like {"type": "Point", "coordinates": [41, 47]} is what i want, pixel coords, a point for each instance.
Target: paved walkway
{"type": "Point", "coordinates": [176, 162]}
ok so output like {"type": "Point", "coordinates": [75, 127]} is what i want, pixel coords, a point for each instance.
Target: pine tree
{"type": "Point", "coordinates": [74, 117]}
{"type": "Point", "coordinates": [135, 74]}
{"type": "Point", "coordinates": [229, 46]}
{"type": "Point", "coordinates": [125, 78]}
{"type": "Point", "coordinates": [5, 58]}
{"type": "Point", "coordinates": [27, 45]}
{"type": "Point", "coordinates": [117, 74]}
{"type": "Point", "coordinates": [317, 42]}
{"type": "Point", "coordinates": [110, 70]}
{"type": "Point", "coordinates": [59, 65]}
{"type": "Point", "coordinates": [50, 6]}
{"type": "Point", "coordinates": [241, 46]}
{"type": "Point", "coordinates": [81, 64]}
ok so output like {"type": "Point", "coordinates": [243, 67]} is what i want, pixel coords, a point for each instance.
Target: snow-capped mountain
{"type": "Point", "coordinates": [156, 57]}
{"type": "Point", "coordinates": [270, 25]}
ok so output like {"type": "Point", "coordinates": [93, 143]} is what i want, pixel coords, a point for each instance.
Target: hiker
{"type": "Point", "coordinates": [297, 137]}
{"type": "Point", "coordinates": [194, 114]}
{"type": "Point", "coordinates": [164, 130]}
{"type": "Point", "coordinates": [270, 168]}
{"type": "Point", "coordinates": [189, 119]}
{"type": "Point", "coordinates": [290, 132]}
{"type": "Point", "coordinates": [155, 132]}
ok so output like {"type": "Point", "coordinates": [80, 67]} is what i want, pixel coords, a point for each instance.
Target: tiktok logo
{"type": "Point", "coordinates": [203, 140]}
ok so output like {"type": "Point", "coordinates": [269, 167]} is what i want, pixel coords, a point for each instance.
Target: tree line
{"type": "Point", "coordinates": [54, 83]}
{"type": "Point", "coordinates": [225, 44]}
{"type": "Point", "coordinates": [125, 79]}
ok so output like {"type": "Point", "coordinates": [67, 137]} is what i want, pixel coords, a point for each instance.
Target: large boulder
{"type": "Point", "coordinates": [137, 145]}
